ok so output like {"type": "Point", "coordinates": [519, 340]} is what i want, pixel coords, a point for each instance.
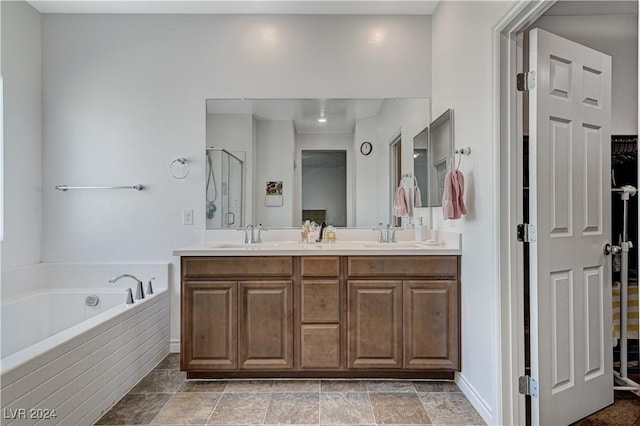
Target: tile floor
{"type": "Point", "coordinates": [164, 397]}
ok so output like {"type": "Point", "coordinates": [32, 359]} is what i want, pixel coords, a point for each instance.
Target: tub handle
{"type": "Point", "coordinates": [129, 297]}
{"type": "Point", "coordinates": [150, 287]}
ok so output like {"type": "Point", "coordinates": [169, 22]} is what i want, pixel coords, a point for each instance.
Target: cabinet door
{"type": "Point", "coordinates": [209, 325]}
{"type": "Point", "coordinates": [375, 324]}
{"type": "Point", "coordinates": [431, 325]}
{"type": "Point", "coordinates": [266, 325]}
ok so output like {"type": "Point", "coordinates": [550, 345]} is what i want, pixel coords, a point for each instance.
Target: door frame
{"type": "Point", "coordinates": [508, 130]}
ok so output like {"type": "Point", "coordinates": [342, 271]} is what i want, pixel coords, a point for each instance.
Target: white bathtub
{"type": "Point", "coordinates": [66, 363]}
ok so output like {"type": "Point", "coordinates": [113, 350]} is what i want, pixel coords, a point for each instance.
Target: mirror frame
{"type": "Point", "coordinates": [444, 119]}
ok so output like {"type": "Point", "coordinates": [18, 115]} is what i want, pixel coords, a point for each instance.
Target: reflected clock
{"type": "Point", "coordinates": [366, 148]}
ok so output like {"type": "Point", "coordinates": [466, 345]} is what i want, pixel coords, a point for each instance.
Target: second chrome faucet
{"type": "Point", "coordinates": [386, 234]}
{"type": "Point", "coordinates": [250, 234]}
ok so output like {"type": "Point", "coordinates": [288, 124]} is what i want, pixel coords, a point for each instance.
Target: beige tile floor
{"type": "Point", "coordinates": [164, 397]}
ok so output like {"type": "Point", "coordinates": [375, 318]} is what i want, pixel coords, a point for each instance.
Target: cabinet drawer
{"type": "Point", "coordinates": [208, 267]}
{"type": "Point", "coordinates": [320, 301]}
{"type": "Point", "coordinates": [403, 266]}
{"type": "Point", "coordinates": [324, 266]}
{"type": "Point", "coordinates": [320, 346]}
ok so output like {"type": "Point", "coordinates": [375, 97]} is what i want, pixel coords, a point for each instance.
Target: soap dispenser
{"type": "Point", "coordinates": [420, 230]}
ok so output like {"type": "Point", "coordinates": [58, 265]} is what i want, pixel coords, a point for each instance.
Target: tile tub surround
{"type": "Point", "coordinates": [164, 397]}
{"type": "Point", "coordinates": [83, 370]}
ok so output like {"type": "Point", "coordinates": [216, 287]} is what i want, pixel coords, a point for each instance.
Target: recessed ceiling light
{"type": "Point", "coordinates": [322, 119]}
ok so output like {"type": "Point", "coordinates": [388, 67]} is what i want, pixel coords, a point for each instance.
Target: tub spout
{"type": "Point", "coordinates": [139, 290]}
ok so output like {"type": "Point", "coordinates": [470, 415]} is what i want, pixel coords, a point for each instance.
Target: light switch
{"type": "Point", "coordinates": [187, 216]}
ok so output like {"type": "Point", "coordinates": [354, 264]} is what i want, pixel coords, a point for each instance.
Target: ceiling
{"type": "Point", "coordinates": [330, 7]}
{"type": "Point", "coordinates": [341, 114]}
{"type": "Point", "coordinates": [584, 8]}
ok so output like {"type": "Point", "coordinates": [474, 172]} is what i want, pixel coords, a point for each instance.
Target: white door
{"type": "Point", "coordinates": [570, 193]}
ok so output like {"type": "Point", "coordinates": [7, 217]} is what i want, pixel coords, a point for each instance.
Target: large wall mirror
{"type": "Point", "coordinates": [279, 162]}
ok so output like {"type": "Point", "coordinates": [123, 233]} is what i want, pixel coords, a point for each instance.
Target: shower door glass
{"type": "Point", "coordinates": [225, 189]}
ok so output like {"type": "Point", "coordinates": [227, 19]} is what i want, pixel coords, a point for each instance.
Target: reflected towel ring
{"type": "Point", "coordinates": [182, 161]}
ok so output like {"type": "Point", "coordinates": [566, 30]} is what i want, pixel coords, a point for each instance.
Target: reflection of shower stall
{"type": "Point", "coordinates": [225, 189]}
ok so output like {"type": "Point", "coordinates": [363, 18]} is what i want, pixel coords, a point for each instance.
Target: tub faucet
{"type": "Point", "coordinates": [139, 291]}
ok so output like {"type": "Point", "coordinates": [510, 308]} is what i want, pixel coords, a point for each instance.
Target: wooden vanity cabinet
{"type": "Point", "coordinates": [236, 313]}
{"type": "Point", "coordinates": [320, 316]}
{"type": "Point", "coordinates": [404, 312]}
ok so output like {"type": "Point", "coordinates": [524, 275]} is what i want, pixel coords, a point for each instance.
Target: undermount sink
{"type": "Point", "coordinates": [399, 245]}
{"type": "Point", "coordinates": [392, 245]}
{"type": "Point", "coordinates": [254, 246]}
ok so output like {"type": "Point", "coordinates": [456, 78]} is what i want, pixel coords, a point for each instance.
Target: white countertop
{"type": "Point", "coordinates": [447, 245]}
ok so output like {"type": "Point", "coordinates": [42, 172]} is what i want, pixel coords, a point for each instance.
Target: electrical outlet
{"type": "Point", "coordinates": [187, 216]}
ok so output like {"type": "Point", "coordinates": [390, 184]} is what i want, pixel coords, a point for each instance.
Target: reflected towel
{"type": "Point", "coordinates": [417, 197]}
{"type": "Point", "coordinates": [453, 197]}
{"type": "Point", "coordinates": [400, 203]}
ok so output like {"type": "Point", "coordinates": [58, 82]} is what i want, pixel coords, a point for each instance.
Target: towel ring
{"type": "Point", "coordinates": [460, 152]}
{"type": "Point", "coordinates": [182, 161]}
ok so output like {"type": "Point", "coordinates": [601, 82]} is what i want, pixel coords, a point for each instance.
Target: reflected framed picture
{"type": "Point", "coordinates": [273, 196]}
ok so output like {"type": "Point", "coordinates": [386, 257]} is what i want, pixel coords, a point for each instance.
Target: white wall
{"type": "Point", "coordinates": [617, 36]}
{"type": "Point", "coordinates": [462, 79]}
{"type": "Point", "coordinates": [275, 149]}
{"type": "Point", "coordinates": [366, 178]}
{"type": "Point", "coordinates": [21, 70]}
{"type": "Point", "coordinates": [124, 95]}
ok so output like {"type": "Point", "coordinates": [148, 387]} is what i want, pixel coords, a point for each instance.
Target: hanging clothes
{"type": "Point", "coordinates": [453, 197]}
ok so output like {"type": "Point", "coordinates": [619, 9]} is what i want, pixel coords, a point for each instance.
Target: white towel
{"type": "Point", "coordinates": [417, 197]}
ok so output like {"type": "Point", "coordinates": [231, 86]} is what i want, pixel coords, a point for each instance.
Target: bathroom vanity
{"type": "Point", "coordinates": [348, 309]}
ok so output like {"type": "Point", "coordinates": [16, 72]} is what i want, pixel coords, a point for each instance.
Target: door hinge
{"type": "Point", "coordinates": [526, 233]}
{"type": "Point", "coordinates": [526, 81]}
{"type": "Point", "coordinates": [528, 386]}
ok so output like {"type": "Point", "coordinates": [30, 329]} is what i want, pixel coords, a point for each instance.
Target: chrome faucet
{"type": "Point", "coordinates": [248, 235]}
{"type": "Point", "coordinates": [382, 238]}
{"type": "Point", "coordinates": [258, 236]}
{"type": "Point", "coordinates": [386, 234]}
{"type": "Point", "coordinates": [391, 234]}
{"type": "Point", "coordinates": [139, 291]}
{"type": "Point", "coordinates": [252, 237]}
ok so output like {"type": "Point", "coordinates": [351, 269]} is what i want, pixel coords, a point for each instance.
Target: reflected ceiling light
{"type": "Point", "coordinates": [416, 154]}
{"type": "Point", "coordinates": [322, 119]}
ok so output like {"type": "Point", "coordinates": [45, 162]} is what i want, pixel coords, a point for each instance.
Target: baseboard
{"type": "Point", "coordinates": [174, 345]}
{"type": "Point", "coordinates": [475, 399]}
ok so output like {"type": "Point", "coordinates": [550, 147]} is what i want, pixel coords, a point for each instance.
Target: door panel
{"type": "Point", "coordinates": [266, 326]}
{"type": "Point", "coordinates": [570, 114]}
{"type": "Point", "coordinates": [374, 324]}
{"type": "Point", "coordinates": [430, 325]}
{"type": "Point", "coordinates": [210, 337]}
